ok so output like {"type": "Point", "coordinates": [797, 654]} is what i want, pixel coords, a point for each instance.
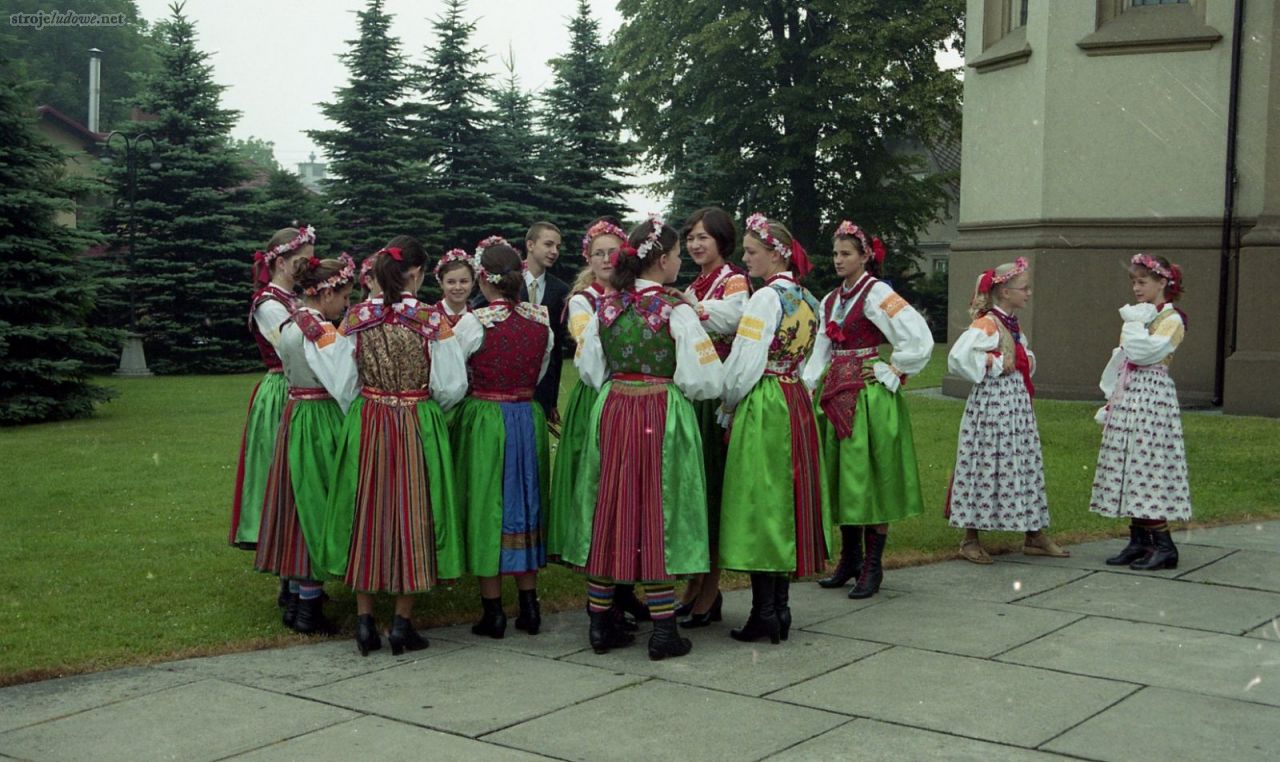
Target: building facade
{"type": "Point", "coordinates": [1094, 129]}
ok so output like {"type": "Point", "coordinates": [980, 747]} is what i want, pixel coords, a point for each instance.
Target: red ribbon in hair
{"type": "Point", "coordinates": [313, 263]}
{"type": "Point", "coordinates": [988, 282]}
{"type": "Point", "coordinates": [623, 249]}
{"type": "Point", "coordinates": [393, 252]}
{"type": "Point", "coordinates": [261, 272]}
{"type": "Point", "coordinates": [799, 260]}
{"type": "Point", "coordinates": [878, 250]}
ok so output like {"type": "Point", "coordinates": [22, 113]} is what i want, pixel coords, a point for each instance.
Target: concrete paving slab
{"type": "Point", "coordinates": [1268, 631]}
{"type": "Point", "coordinates": [1001, 582]}
{"type": "Point", "coordinates": [1169, 657]}
{"type": "Point", "coordinates": [472, 691]}
{"type": "Point", "coordinates": [1175, 725]}
{"type": "Point", "coordinates": [204, 720]}
{"type": "Point", "coordinates": [869, 739]}
{"type": "Point", "coordinates": [1253, 569]}
{"type": "Point", "coordinates": [934, 623]}
{"type": "Point", "coordinates": [28, 704]}
{"type": "Point", "coordinates": [751, 669]}
{"type": "Point", "coordinates": [811, 604]}
{"type": "Point", "coordinates": [378, 738]}
{"type": "Point", "coordinates": [561, 634]}
{"type": "Point", "coordinates": [1163, 601]}
{"type": "Point", "coordinates": [959, 694]}
{"type": "Point", "coordinates": [659, 720]}
{"type": "Point", "coordinates": [1259, 535]}
{"type": "Point", "coordinates": [1093, 555]}
{"type": "Point", "coordinates": [290, 670]}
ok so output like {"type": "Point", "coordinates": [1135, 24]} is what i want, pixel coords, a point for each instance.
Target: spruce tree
{"type": "Point", "coordinates": [374, 172]}
{"type": "Point", "coordinates": [47, 293]}
{"type": "Point", "coordinates": [453, 127]}
{"type": "Point", "coordinates": [190, 270]}
{"type": "Point", "coordinates": [588, 154]}
{"type": "Point", "coordinates": [515, 191]}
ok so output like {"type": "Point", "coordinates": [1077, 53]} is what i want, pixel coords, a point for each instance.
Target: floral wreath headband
{"type": "Point", "coordinates": [454, 255]}
{"type": "Point", "coordinates": [366, 268]}
{"type": "Point", "coordinates": [262, 259]}
{"type": "Point", "coordinates": [872, 244]}
{"type": "Point", "coordinates": [1152, 264]}
{"type": "Point", "coordinates": [339, 279]}
{"type": "Point", "coordinates": [759, 224]}
{"type": "Point", "coordinates": [603, 227]}
{"type": "Point", "coordinates": [990, 280]}
{"type": "Point", "coordinates": [493, 240]}
{"type": "Point", "coordinates": [650, 241]}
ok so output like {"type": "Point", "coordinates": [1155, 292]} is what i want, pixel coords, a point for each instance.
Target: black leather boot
{"type": "Point", "coordinates": [605, 631]}
{"type": "Point", "coordinates": [625, 600]}
{"type": "Point", "coordinates": [311, 620]}
{"type": "Point", "coordinates": [290, 614]}
{"type": "Point", "coordinates": [763, 620]}
{"type": "Point", "coordinates": [1138, 548]}
{"type": "Point", "coordinates": [1163, 556]}
{"type": "Point", "coordinates": [493, 622]}
{"type": "Point", "coordinates": [665, 641]}
{"type": "Point", "coordinates": [872, 572]}
{"type": "Point", "coordinates": [530, 618]}
{"type": "Point", "coordinates": [850, 558]}
{"type": "Point", "coordinates": [282, 598]}
{"type": "Point", "coordinates": [367, 638]}
{"type": "Point", "coordinates": [403, 637]}
{"type": "Point", "coordinates": [781, 604]}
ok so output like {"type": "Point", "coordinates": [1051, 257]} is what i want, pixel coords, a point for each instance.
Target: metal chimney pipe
{"type": "Point", "coordinates": [95, 87]}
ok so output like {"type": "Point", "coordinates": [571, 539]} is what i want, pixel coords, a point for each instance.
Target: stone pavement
{"type": "Point", "coordinates": [1027, 659]}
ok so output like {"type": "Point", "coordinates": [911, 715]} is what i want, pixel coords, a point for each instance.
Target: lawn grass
{"type": "Point", "coordinates": [115, 527]}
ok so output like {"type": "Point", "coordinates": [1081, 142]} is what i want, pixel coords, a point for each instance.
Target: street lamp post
{"type": "Point", "coordinates": [133, 360]}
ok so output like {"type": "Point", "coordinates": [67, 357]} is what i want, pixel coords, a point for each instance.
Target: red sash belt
{"type": "Point", "coordinates": [493, 395]}
{"type": "Point", "coordinates": [308, 393]}
{"type": "Point", "coordinates": [642, 378]}
{"type": "Point", "coordinates": [400, 399]}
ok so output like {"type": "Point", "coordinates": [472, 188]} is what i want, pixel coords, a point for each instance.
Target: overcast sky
{"type": "Point", "coordinates": [279, 58]}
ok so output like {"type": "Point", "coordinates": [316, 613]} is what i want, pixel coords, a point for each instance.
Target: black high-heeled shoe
{"type": "Point", "coordinates": [704, 619]}
{"type": "Point", "coordinates": [685, 609]}
{"type": "Point", "coordinates": [403, 637]}
{"type": "Point", "coordinates": [367, 638]}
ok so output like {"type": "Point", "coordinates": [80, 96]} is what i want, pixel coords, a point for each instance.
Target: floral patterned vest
{"type": "Point", "coordinates": [797, 329]}
{"type": "Point", "coordinates": [635, 332]}
{"type": "Point", "coordinates": [509, 360]}
{"type": "Point", "coordinates": [267, 293]}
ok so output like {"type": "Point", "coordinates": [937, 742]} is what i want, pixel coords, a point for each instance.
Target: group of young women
{"type": "Point", "coordinates": [712, 428]}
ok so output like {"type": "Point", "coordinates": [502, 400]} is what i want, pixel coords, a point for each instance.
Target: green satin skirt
{"type": "Point", "coordinates": [564, 516]}
{"type": "Point", "coordinates": [259, 447]}
{"type": "Point", "coordinates": [606, 491]}
{"type": "Point", "coordinates": [337, 550]}
{"type": "Point", "coordinates": [872, 476]}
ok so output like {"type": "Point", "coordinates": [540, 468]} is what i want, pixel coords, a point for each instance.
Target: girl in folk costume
{"type": "Point", "coordinates": [641, 476]}
{"type": "Point", "coordinates": [772, 521]}
{"type": "Point", "coordinates": [868, 452]}
{"type": "Point", "coordinates": [998, 483]}
{"type": "Point", "coordinates": [599, 246]}
{"type": "Point", "coordinates": [393, 503]}
{"type": "Point", "coordinates": [1142, 465]}
{"type": "Point", "coordinates": [273, 302]}
{"type": "Point", "coordinates": [455, 272]}
{"type": "Point", "coordinates": [321, 374]}
{"type": "Point", "coordinates": [720, 293]}
{"type": "Point", "coordinates": [502, 463]}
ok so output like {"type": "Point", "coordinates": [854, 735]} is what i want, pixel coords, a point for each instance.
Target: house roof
{"type": "Point", "coordinates": [70, 125]}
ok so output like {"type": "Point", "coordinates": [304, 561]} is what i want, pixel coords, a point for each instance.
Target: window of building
{"type": "Point", "coordinates": [1125, 27]}
{"type": "Point", "coordinates": [1004, 35]}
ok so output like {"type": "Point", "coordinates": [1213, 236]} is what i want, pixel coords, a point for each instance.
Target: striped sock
{"type": "Point", "coordinates": [309, 591]}
{"type": "Point", "coordinates": [661, 600]}
{"type": "Point", "coordinates": [294, 586]}
{"type": "Point", "coordinates": [599, 594]}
